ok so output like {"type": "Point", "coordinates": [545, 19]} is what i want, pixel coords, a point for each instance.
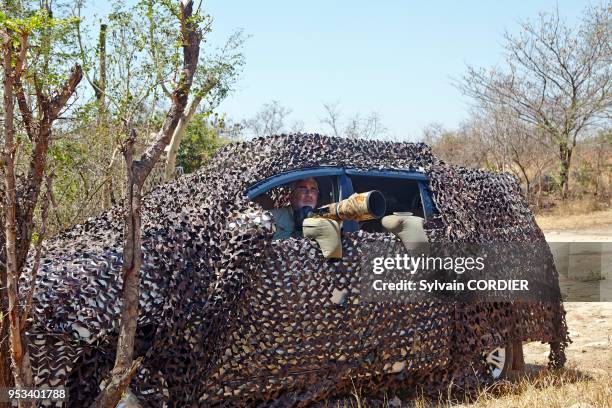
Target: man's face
{"type": "Point", "coordinates": [304, 194]}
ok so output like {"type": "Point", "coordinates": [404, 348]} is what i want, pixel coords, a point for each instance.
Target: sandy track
{"type": "Point", "coordinates": [589, 235]}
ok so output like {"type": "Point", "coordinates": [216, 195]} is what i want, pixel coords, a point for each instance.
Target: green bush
{"type": "Point", "coordinates": [200, 142]}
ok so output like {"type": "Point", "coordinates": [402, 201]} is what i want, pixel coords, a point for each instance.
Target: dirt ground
{"type": "Point", "coordinates": [600, 234]}
{"type": "Point", "coordinates": [577, 223]}
{"type": "Point", "coordinates": [590, 328]}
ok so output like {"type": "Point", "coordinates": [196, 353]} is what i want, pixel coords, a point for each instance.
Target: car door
{"type": "Point", "coordinates": [305, 317]}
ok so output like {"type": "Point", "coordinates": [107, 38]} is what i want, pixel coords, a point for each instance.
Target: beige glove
{"type": "Point", "coordinates": [327, 234]}
{"type": "Point", "coordinates": [408, 228]}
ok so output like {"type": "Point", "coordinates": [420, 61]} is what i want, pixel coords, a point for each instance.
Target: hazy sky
{"type": "Point", "coordinates": [393, 57]}
{"type": "Point", "coordinates": [397, 58]}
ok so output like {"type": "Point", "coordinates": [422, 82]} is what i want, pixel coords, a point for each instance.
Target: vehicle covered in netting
{"type": "Point", "coordinates": [230, 317]}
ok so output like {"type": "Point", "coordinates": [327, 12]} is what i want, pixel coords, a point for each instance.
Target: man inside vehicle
{"type": "Point", "coordinates": [304, 193]}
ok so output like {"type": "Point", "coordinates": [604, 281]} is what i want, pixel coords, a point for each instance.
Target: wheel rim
{"type": "Point", "coordinates": [496, 361]}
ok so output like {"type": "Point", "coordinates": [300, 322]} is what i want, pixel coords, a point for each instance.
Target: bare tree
{"type": "Point", "coordinates": [510, 144]}
{"type": "Point", "coordinates": [372, 126]}
{"type": "Point", "coordinates": [432, 132]}
{"type": "Point", "coordinates": [297, 126]}
{"type": "Point", "coordinates": [461, 146]}
{"type": "Point", "coordinates": [494, 139]}
{"type": "Point", "coordinates": [557, 79]}
{"type": "Point", "coordinates": [137, 172]}
{"type": "Point", "coordinates": [369, 127]}
{"type": "Point", "coordinates": [353, 127]}
{"type": "Point", "coordinates": [269, 120]}
{"type": "Point", "coordinates": [332, 118]}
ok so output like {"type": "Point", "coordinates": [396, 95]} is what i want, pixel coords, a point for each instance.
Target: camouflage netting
{"type": "Point", "coordinates": [228, 317]}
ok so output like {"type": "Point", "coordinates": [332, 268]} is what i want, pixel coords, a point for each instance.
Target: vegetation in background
{"type": "Point", "coordinates": [202, 139]}
{"type": "Point", "coordinates": [556, 82]}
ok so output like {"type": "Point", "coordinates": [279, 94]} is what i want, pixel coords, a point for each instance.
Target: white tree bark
{"type": "Point", "coordinates": [177, 136]}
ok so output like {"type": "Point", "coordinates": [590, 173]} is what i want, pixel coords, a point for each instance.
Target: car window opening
{"type": "Point", "coordinates": [401, 195]}
{"type": "Point", "coordinates": [278, 197]}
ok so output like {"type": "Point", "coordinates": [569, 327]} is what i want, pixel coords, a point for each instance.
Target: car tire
{"type": "Point", "coordinates": [499, 362]}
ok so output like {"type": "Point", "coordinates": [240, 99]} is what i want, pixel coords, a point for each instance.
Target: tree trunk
{"type": "Point", "coordinates": [565, 157]}
{"type": "Point", "coordinates": [526, 177]}
{"type": "Point", "coordinates": [137, 173]}
{"type": "Point", "coordinates": [177, 136]}
{"type": "Point", "coordinates": [20, 358]}
{"type": "Point", "coordinates": [103, 125]}
{"type": "Point", "coordinates": [29, 196]}
{"type": "Point", "coordinates": [40, 133]}
{"type": "Point", "coordinates": [6, 378]}
{"type": "Point", "coordinates": [599, 167]}
{"type": "Point", "coordinates": [101, 83]}
{"type": "Point", "coordinates": [19, 204]}
{"type": "Point", "coordinates": [539, 199]}
{"type": "Point", "coordinates": [125, 368]}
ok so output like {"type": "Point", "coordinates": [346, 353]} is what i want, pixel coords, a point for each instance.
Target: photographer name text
{"type": "Point", "coordinates": [454, 286]}
{"type": "Point", "coordinates": [459, 265]}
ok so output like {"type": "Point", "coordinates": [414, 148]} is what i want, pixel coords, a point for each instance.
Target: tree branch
{"type": "Point", "coordinates": [60, 99]}
{"type": "Point", "coordinates": [26, 111]}
{"type": "Point", "coordinates": [191, 36]}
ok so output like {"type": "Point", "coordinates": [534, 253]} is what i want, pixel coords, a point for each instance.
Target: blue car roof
{"type": "Point", "coordinates": [287, 177]}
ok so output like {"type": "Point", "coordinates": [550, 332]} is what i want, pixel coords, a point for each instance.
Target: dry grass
{"type": "Point", "coordinates": [563, 389]}
{"type": "Point", "coordinates": [560, 389]}
{"type": "Point", "coordinates": [573, 216]}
